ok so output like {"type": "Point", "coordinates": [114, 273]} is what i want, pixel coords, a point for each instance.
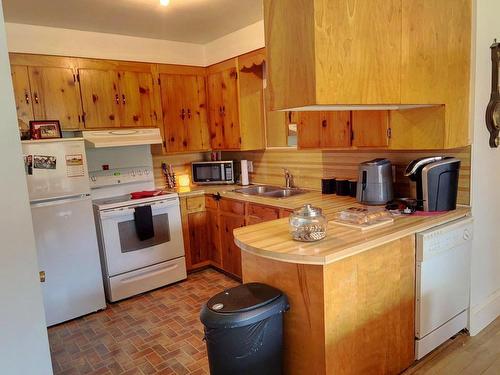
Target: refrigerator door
{"type": "Point", "coordinates": [68, 258]}
{"type": "Point", "coordinates": [55, 168]}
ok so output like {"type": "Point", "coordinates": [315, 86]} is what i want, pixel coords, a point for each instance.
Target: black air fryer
{"type": "Point", "coordinates": [436, 179]}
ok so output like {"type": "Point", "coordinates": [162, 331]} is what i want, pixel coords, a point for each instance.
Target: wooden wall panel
{"type": "Point", "coordinates": [308, 167]}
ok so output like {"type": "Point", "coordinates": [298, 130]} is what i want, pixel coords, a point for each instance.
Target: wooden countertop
{"type": "Point", "coordinates": [272, 239]}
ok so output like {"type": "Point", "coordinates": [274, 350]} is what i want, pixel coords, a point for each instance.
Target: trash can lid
{"type": "Point", "coordinates": [244, 297]}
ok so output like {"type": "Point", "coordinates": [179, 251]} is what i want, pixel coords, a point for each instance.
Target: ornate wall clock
{"type": "Point", "coordinates": [493, 109]}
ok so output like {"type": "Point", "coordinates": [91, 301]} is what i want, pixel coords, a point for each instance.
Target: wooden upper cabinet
{"type": "Point", "coordinates": [100, 98]}
{"type": "Point", "coordinates": [184, 112]}
{"type": "Point", "coordinates": [136, 99]}
{"type": "Point", "coordinates": [321, 129]}
{"type": "Point", "coordinates": [117, 98]}
{"type": "Point", "coordinates": [340, 54]}
{"type": "Point", "coordinates": [436, 40]}
{"type": "Point", "coordinates": [224, 109]}
{"type": "Point", "coordinates": [56, 96]}
{"type": "Point", "coordinates": [370, 129]}
{"type": "Point", "coordinates": [22, 95]}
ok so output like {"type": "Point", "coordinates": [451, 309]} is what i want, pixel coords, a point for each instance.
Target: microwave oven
{"type": "Point", "coordinates": [213, 172]}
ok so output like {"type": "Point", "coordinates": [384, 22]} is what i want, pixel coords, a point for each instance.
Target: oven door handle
{"type": "Point", "coordinates": [117, 212]}
{"type": "Point", "coordinates": [147, 274]}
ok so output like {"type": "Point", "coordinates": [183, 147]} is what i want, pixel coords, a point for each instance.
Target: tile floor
{"type": "Point", "coordinates": [154, 333]}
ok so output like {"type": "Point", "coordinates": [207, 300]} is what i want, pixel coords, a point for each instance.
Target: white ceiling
{"type": "Point", "coordinates": [193, 21]}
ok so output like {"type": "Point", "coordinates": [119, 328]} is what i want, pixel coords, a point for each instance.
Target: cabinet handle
{"type": "Point", "coordinates": [182, 113]}
{"type": "Point", "coordinates": [223, 110]}
{"type": "Point", "coordinates": [42, 276]}
{"type": "Point", "coordinates": [117, 99]}
{"type": "Point", "coordinates": [123, 98]}
{"type": "Point", "coordinates": [189, 113]}
{"type": "Point", "coordinates": [27, 98]}
{"type": "Point", "coordinates": [220, 110]}
{"type": "Point", "coordinates": [36, 97]}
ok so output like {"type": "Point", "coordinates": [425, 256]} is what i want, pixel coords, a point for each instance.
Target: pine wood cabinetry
{"type": "Point", "coordinates": [22, 95]}
{"type": "Point", "coordinates": [184, 112]}
{"type": "Point", "coordinates": [117, 98]}
{"type": "Point", "coordinates": [236, 103]}
{"type": "Point", "coordinates": [47, 93]}
{"type": "Point", "coordinates": [419, 55]}
{"type": "Point", "coordinates": [208, 223]}
{"type": "Point", "coordinates": [370, 129]}
{"type": "Point", "coordinates": [324, 129]}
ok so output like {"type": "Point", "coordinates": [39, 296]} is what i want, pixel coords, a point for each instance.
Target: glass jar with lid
{"type": "Point", "coordinates": [308, 224]}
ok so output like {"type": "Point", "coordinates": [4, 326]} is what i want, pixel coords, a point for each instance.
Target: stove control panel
{"type": "Point", "coordinates": [120, 176]}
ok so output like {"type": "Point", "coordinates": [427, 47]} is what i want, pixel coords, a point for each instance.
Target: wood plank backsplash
{"type": "Point", "coordinates": [309, 167]}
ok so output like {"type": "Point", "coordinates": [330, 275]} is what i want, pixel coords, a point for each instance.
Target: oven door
{"type": "Point", "coordinates": [124, 251]}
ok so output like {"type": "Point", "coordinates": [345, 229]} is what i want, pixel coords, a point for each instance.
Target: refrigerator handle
{"type": "Point", "coordinates": [60, 200]}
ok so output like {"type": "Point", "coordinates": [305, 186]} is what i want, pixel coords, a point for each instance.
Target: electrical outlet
{"type": "Point", "coordinates": [250, 166]}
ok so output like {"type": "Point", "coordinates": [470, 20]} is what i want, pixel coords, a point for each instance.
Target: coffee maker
{"type": "Point", "coordinates": [436, 179]}
{"type": "Point", "coordinates": [375, 182]}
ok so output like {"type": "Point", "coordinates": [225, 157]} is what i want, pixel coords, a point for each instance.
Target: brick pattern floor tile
{"type": "Point", "coordinates": [154, 333]}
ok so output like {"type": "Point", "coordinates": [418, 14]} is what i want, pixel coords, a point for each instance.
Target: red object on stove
{"type": "Point", "coordinates": [145, 194]}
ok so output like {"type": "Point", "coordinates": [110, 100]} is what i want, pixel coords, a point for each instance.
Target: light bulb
{"type": "Point", "coordinates": [164, 2]}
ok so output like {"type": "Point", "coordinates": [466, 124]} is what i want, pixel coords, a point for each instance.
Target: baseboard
{"type": "Point", "coordinates": [484, 313]}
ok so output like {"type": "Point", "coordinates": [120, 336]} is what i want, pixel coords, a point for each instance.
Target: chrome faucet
{"type": "Point", "coordinates": [288, 178]}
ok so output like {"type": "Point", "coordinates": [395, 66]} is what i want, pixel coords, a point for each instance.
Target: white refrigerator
{"type": "Point", "coordinates": [65, 234]}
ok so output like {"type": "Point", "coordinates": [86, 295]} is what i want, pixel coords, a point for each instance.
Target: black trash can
{"type": "Point", "coordinates": [244, 330]}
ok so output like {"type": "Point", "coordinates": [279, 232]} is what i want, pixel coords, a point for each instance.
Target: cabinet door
{"type": "Point", "coordinates": [335, 129]}
{"type": "Point", "coordinates": [172, 92]}
{"type": "Point", "coordinates": [370, 128]}
{"type": "Point", "coordinates": [136, 99]}
{"type": "Point", "coordinates": [230, 110]}
{"type": "Point", "coordinates": [196, 113]}
{"type": "Point", "coordinates": [231, 254]}
{"type": "Point", "coordinates": [215, 111]}
{"type": "Point", "coordinates": [22, 95]}
{"type": "Point", "coordinates": [56, 96]}
{"type": "Point", "coordinates": [100, 98]}
{"type": "Point", "coordinates": [213, 236]}
{"type": "Point", "coordinates": [308, 130]}
{"type": "Point", "coordinates": [198, 231]}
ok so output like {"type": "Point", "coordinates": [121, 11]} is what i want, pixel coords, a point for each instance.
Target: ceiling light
{"type": "Point", "coordinates": [164, 2]}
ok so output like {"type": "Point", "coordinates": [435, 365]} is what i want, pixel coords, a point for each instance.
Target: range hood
{"type": "Point", "coordinates": [121, 137]}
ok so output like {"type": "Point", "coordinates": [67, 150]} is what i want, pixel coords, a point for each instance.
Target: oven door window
{"type": "Point", "coordinates": [129, 240]}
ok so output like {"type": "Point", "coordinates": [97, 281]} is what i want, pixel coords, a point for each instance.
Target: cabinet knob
{"type": "Point", "coordinates": [189, 113]}
{"type": "Point", "coordinates": [27, 98]}
{"type": "Point", "coordinates": [182, 115]}
{"type": "Point", "coordinates": [117, 99]}
{"type": "Point", "coordinates": [36, 97]}
{"type": "Point", "coordinates": [123, 98]}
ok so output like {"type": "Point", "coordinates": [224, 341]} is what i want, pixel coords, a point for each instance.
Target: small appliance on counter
{"type": "Point", "coordinates": [436, 179]}
{"type": "Point", "coordinates": [213, 172]}
{"type": "Point", "coordinates": [375, 182]}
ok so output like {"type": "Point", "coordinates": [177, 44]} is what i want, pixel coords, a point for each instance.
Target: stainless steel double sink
{"type": "Point", "coordinates": [270, 191]}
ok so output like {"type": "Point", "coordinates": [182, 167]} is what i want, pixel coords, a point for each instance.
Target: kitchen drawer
{"type": "Point", "coordinates": [131, 283]}
{"type": "Point", "coordinates": [264, 213]}
{"type": "Point", "coordinates": [210, 201]}
{"type": "Point", "coordinates": [195, 204]}
{"type": "Point", "coordinates": [231, 206]}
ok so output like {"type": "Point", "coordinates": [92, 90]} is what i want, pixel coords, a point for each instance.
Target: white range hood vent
{"type": "Point", "coordinates": [356, 107]}
{"type": "Point", "coordinates": [121, 137]}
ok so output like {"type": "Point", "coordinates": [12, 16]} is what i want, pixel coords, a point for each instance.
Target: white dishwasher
{"type": "Point", "coordinates": [442, 284]}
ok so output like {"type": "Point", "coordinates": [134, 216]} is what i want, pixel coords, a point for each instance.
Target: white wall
{"type": "Point", "coordinates": [55, 41]}
{"type": "Point", "coordinates": [485, 287]}
{"type": "Point", "coordinates": [65, 42]}
{"type": "Point", "coordinates": [23, 337]}
{"type": "Point", "coordinates": [237, 43]}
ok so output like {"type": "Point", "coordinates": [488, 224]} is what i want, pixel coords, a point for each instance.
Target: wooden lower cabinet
{"type": "Point", "coordinates": [231, 254]}
{"type": "Point", "coordinates": [353, 316]}
{"type": "Point", "coordinates": [208, 223]}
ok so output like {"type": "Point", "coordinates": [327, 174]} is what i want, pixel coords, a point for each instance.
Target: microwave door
{"type": "Point", "coordinates": [208, 173]}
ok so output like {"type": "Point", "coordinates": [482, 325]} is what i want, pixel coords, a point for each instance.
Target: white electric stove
{"type": "Point", "coordinates": [131, 266]}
